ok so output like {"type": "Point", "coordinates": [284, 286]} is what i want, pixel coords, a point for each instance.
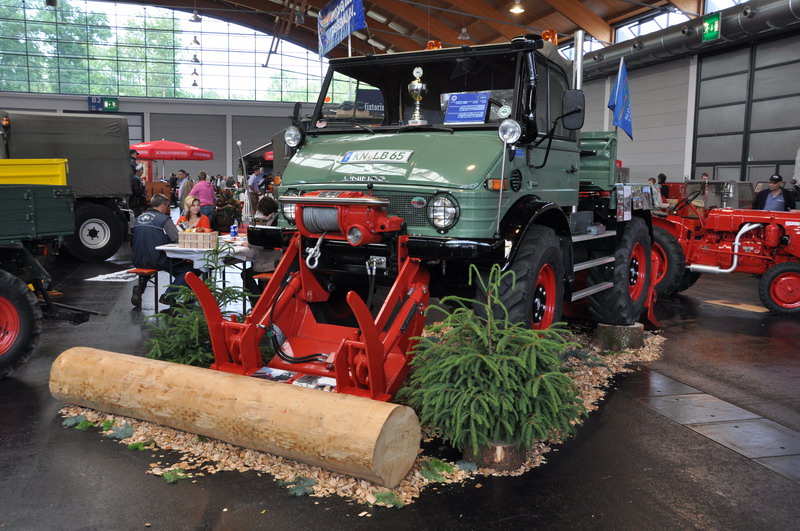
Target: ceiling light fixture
{"type": "Point", "coordinates": [299, 18]}
{"type": "Point", "coordinates": [464, 36]}
{"type": "Point", "coordinates": [195, 59]}
{"type": "Point", "coordinates": [194, 73]}
{"type": "Point", "coordinates": [195, 17]}
{"type": "Point", "coordinates": [195, 42]}
{"type": "Point", "coordinates": [517, 7]}
{"type": "Point", "coordinates": [194, 83]}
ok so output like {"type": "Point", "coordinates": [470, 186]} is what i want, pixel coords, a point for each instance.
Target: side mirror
{"type": "Point", "coordinates": [573, 109]}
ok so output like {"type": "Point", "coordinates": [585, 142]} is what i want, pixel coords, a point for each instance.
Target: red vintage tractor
{"type": "Point", "coordinates": [691, 240]}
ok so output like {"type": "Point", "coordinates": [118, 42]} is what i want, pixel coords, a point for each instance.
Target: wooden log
{"type": "Point", "coordinates": [364, 438]}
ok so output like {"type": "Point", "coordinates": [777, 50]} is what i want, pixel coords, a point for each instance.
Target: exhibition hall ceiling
{"type": "Point", "coordinates": [407, 25]}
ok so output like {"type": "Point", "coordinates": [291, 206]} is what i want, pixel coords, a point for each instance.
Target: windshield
{"type": "Point", "coordinates": [454, 91]}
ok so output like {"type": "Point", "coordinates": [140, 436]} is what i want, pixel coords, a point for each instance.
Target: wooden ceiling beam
{"type": "Point", "coordinates": [418, 18]}
{"type": "Point", "coordinates": [584, 18]}
{"type": "Point", "coordinates": [690, 8]}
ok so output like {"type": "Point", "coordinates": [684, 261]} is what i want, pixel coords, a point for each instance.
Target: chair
{"type": "Point", "coordinates": [151, 277]}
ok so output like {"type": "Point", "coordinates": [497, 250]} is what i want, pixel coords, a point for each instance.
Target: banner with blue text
{"type": "Point", "coordinates": [337, 20]}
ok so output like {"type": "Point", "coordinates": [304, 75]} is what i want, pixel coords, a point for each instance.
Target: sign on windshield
{"type": "Point", "coordinates": [466, 108]}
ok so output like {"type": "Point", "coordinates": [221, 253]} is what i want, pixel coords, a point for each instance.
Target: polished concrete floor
{"type": "Point", "coordinates": [706, 437]}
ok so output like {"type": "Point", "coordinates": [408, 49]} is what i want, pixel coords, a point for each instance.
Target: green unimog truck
{"type": "Point", "coordinates": [477, 149]}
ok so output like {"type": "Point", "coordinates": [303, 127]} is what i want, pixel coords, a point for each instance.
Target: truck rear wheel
{"type": "Point", "coordinates": [538, 298]}
{"type": "Point", "coordinates": [779, 288]}
{"type": "Point", "coordinates": [672, 262]}
{"type": "Point", "coordinates": [624, 302]}
{"type": "Point", "coordinates": [98, 234]}
{"type": "Point", "coordinates": [20, 323]}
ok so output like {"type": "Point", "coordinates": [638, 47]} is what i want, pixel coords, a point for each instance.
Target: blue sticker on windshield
{"type": "Point", "coordinates": [466, 108]}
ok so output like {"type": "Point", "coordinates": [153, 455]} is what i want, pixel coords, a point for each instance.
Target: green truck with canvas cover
{"type": "Point", "coordinates": [96, 147]}
{"type": "Point", "coordinates": [535, 199]}
{"type": "Point", "coordinates": [33, 218]}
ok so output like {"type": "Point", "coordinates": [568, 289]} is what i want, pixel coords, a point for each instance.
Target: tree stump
{"type": "Point", "coordinates": [615, 337]}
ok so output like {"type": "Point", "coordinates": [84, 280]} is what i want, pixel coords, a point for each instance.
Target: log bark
{"type": "Point", "coordinates": [367, 439]}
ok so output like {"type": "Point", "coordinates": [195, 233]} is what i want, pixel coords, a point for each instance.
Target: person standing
{"type": "Point", "coordinates": [774, 198]}
{"type": "Point", "coordinates": [185, 184]}
{"type": "Point", "coordinates": [253, 185]}
{"type": "Point", "coordinates": [658, 202]}
{"type": "Point", "coordinates": [150, 230]}
{"type": "Point", "coordinates": [138, 200]}
{"type": "Point", "coordinates": [204, 191]}
{"type": "Point", "coordinates": [134, 155]}
{"type": "Point", "coordinates": [173, 190]}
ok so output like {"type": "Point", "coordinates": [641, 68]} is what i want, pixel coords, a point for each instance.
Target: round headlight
{"type": "Point", "coordinates": [354, 235]}
{"type": "Point", "coordinates": [443, 211]}
{"type": "Point", "coordinates": [292, 136]}
{"type": "Point", "coordinates": [288, 210]}
{"type": "Point", "coordinates": [509, 131]}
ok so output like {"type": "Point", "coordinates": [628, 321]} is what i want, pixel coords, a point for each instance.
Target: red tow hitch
{"type": "Point", "coordinates": [370, 359]}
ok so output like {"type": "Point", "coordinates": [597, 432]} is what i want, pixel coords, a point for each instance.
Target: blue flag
{"type": "Point", "coordinates": [620, 101]}
{"type": "Point", "coordinates": [337, 20]}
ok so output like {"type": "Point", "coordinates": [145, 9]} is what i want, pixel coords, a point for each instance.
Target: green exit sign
{"type": "Point", "coordinates": [710, 27]}
{"type": "Point", "coordinates": [110, 105]}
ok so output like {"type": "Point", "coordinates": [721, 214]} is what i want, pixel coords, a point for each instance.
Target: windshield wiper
{"type": "Point", "coordinates": [362, 126]}
{"type": "Point", "coordinates": [425, 128]}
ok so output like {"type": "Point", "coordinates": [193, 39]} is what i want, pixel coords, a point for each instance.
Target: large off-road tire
{"type": "Point", "coordinates": [672, 262]}
{"type": "Point", "coordinates": [538, 298]}
{"type": "Point", "coordinates": [688, 280]}
{"type": "Point", "coordinates": [779, 288]}
{"type": "Point", "coordinates": [98, 234]}
{"type": "Point", "coordinates": [624, 302]}
{"type": "Point", "coordinates": [20, 323]}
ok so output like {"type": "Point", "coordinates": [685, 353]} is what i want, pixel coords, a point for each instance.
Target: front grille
{"type": "Point", "coordinates": [400, 205]}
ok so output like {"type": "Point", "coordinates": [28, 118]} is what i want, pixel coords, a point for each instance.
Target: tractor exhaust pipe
{"type": "Point", "coordinates": [715, 270]}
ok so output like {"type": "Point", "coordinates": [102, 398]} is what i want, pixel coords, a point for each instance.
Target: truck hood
{"type": "Point", "coordinates": [436, 159]}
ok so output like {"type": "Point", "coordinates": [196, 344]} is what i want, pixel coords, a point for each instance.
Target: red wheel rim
{"type": "Point", "coordinates": [9, 325]}
{"type": "Point", "coordinates": [636, 272]}
{"type": "Point", "coordinates": [544, 298]}
{"type": "Point", "coordinates": [785, 290]}
{"type": "Point", "coordinates": [661, 271]}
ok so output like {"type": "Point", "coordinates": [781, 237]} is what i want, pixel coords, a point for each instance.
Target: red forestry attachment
{"type": "Point", "coordinates": [325, 336]}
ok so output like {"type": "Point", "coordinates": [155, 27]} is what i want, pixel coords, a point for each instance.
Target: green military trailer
{"type": "Point", "coordinates": [34, 218]}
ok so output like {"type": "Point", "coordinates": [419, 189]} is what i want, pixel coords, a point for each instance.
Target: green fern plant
{"type": "Point", "coordinates": [482, 379]}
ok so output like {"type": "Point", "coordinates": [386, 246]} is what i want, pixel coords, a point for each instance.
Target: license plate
{"type": "Point", "coordinates": [390, 156]}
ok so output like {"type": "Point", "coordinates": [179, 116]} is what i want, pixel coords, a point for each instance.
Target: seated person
{"type": "Point", "coordinates": [152, 229]}
{"type": "Point", "coordinates": [193, 217]}
{"type": "Point", "coordinates": [264, 260]}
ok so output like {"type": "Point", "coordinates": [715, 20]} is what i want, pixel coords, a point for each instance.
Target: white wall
{"type": "Point", "coordinates": [662, 110]}
{"type": "Point", "coordinates": [214, 125]}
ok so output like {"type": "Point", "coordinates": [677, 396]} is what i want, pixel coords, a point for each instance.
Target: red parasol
{"type": "Point", "coordinates": [169, 150]}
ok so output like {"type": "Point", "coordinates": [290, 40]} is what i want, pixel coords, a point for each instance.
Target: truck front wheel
{"type": "Point", "coordinates": [779, 288]}
{"type": "Point", "coordinates": [20, 323]}
{"type": "Point", "coordinates": [539, 266]}
{"type": "Point", "coordinates": [623, 303]}
{"type": "Point", "coordinates": [98, 233]}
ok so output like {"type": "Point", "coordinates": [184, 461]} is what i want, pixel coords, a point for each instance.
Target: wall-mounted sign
{"type": "Point", "coordinates": [100, 104]}
{"type": "Point", "coordinates": [711, 25]}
